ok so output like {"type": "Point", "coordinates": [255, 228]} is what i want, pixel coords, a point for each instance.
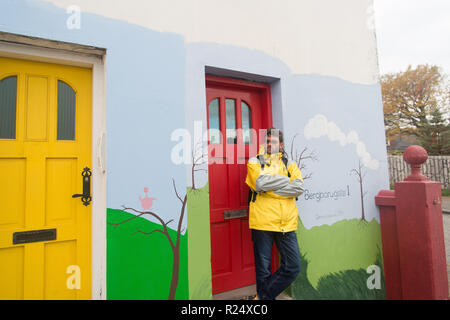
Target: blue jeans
{"type": "Point", "coordinates": [268, 285]}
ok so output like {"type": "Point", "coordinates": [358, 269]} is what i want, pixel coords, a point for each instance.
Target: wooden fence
{"type": "Point", "coordinates": [437, 168]}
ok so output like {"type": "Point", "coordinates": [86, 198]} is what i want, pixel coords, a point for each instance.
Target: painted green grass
{"type": "Point", "coordinates": [139, 266]}
{"type": "Point", "coordinates": [200, 287]}
{"type": "Point", "coordinates": [334, 260]}
{"type": "Point", "coordinates": [342, 285]}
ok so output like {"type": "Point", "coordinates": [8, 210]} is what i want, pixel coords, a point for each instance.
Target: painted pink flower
{"type": "Point", "coordinates": [147, 201]}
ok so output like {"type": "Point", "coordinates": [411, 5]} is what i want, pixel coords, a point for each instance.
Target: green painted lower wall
{"type": "Point", "coordinates": [334, 258]}
{"type": "Point", "coordinates": [334, 261]}
{"type": "Point", "coordinates": [200, 287]}
{"type": "Point", "coordinates": [139, 266]}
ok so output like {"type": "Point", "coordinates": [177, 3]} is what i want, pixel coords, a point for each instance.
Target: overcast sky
{"type": "Point", "coordinates": [412, 32]}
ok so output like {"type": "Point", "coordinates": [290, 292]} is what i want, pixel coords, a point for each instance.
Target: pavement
{"type": "Point", "coordinates": [239, 294]}
{"type": "Point", "coordinates": [446, 204]}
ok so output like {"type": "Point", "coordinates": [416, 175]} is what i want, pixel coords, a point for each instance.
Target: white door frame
{"type": "Point", "coordinates": [17, 46]}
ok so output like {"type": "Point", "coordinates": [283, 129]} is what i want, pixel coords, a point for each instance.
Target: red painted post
{"type": "Point", "coordinates": [413, 235]}
{"type": "Point", "coordinates": [391, 261]}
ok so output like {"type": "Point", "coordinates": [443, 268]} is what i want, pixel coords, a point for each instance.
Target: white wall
{"type": "Point", "coordinates": [326, 37]}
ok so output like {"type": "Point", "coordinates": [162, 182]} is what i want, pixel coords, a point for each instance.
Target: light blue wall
{"type": "Point", "coordinates": [145, 74]}
{"type": "Point", "coordinates": [352, 107]}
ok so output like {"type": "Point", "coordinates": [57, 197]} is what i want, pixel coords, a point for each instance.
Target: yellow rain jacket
{"type": "Point", "coordinates": [275, 207]}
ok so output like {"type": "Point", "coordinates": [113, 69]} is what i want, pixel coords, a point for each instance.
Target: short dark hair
{"type": "Point", "coordinates": [275, 132]}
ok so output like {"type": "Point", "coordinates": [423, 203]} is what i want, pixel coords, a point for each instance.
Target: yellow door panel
{"type": "Point", "coordinates": [34, 271]}
{"type": "Point", "coordinates": [11, 273]}
{"type": "Point", "coordinates": [59, 256]}
{"type": "Point", "coordinates": [13, 195]}
{"type": "Point", "coordinates": [60, 207]}
{"type": "Point", "coordinates": [37, 105]}
{"type": "Point", "coordinates": [39, 174]}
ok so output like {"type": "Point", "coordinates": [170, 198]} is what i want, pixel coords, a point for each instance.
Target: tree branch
{"type": "Point", "coordinates": [147, 233]}
{"type": "Point", "coordinates": [140, 214]}
{"type": "Point", "coordinates": [176, 192]}
{"type": "Point", "coordinates": [303, 156]}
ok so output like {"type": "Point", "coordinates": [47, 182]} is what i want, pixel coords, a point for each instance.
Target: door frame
{"type": "Point", "coordinates": [245, 84]}
{"type": "Point", "coordinates": [267, 121]}
{"type": "Point", "coordinates": [50, 51]}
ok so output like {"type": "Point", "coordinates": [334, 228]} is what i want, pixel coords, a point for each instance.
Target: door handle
{"type": "Point", "coordinates": [86, 196]}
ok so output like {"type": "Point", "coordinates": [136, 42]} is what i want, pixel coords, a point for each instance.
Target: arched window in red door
{"type": "Point", "coordinates": [214, 122]}
{"type": "Point", "coordinates": [246, 123]}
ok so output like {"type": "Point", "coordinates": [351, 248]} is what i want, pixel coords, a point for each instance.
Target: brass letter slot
{"type": "Point", "coordinates": [233, 214]}
{"type": "Point", "coordinates": [34, 236]}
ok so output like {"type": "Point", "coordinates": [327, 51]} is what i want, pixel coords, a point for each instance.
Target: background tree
{"type": "Point", "coordinates": [416, 102]}
{"type": "Point", "coordinates": [435, 134]}
{"type": "Point", "coordinates": [446, 139]}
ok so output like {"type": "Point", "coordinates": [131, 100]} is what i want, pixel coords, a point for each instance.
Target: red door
{"type": "Point", "coordinates": [233, 108]}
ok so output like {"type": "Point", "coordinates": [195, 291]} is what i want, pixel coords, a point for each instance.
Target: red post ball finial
{"type": "Point", "coordinates": [415, 156]}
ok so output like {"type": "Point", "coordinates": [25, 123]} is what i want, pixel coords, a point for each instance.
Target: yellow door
{"type": "Point", "coordinates": [45, 142]}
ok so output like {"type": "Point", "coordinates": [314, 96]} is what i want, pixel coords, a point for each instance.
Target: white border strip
{"type": "Point", "coordinates": [98, 65]}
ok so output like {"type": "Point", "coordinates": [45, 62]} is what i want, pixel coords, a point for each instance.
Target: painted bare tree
{"type": "Point", "coordinates": [360, 177]}
{"type": "Point", "coordinates": [174, 244]}
{"type": "Point", "coordinates": [301, 157]}
{"type": "Point", "coordinates": [199, 158]}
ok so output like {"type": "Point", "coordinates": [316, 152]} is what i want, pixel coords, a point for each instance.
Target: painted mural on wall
{"type": "Point", "coordinates": [172, 236]}
{"type": "Point", "coordinates": [174, 242]}
{"type": "Point", "coordinates": [340, 261]}
{"type": "Point", "coordinates": [339, 230]}
{"type": "Point", "coordinates": [133, 270]}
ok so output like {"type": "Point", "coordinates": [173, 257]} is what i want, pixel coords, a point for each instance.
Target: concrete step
{"type": "Point", "coordinates": [240, 293]}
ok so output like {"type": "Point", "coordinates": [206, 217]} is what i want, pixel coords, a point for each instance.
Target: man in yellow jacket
{"type": "Point", "coordinates": [275, 183]}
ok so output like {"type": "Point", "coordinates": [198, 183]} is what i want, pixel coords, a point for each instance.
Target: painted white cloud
{"type": "Point", "coordinates": [319, 126]}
